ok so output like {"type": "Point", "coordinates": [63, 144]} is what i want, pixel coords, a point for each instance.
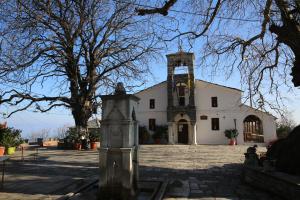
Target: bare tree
{"type": "Point", "coordinates": [285, 125]}
{"type": "Point", "coordinates": [61, 132]}
{"type": "Point", "coordinates": [43, 133]}
{"type": "Point", "coordinates": [260, 38]}
{"type": "Point", "coordinates": [77, 48]}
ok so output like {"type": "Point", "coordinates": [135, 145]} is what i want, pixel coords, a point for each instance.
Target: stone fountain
{"type": "Point", "coordinates": [118, 156]}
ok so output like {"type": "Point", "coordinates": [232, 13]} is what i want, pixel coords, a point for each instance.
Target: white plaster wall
{"type": "Point", "coordinates": [227, 98]}
{"type": "Point", "coordinates": [229, 108]}
{"type": "Point", "coordinates": [144, 113]}
{"type": "Point", "coordinates": [205, 135]}
{"type": "Point", "coordinates": [160, 118]}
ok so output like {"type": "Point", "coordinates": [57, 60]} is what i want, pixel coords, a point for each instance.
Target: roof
{"type": "Point", "coordinates": [219, 85]}
{"type": "Point", "coordinates": [179, 53]}
{"type": "Point", "coordinates": [150, 87]}
{"type": "Point", "coordinates": [195, 80]}
{"type": "Point", "coordinates": [255, 109]}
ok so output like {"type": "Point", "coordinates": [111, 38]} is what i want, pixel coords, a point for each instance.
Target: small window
{"type": "Point", "coordinates": [214, 102]}
{"type": "Point", "coordinates": [152, 103]}
{"type": "Point", "coordinates": [215, 126]}
{"type": "Point", "coordinates": [152, 124]}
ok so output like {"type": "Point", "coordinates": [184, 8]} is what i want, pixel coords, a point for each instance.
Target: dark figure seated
{"type": "Point", "coordinates": [251, 157]}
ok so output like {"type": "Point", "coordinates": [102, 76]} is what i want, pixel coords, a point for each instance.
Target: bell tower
{"type": "Point", "coordinates": [181, 92]}
{"type": "Point", "coordinates": [181, 85]}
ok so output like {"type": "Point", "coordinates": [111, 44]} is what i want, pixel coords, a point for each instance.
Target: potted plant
{"type": "Point", "coordinates": [74, 137]}
{"type": "Point", "coordinates": [94, 136]}
{"type": "Point", "coordinates": [77, 144]}
{"type": "Point", "coordinates": [2, 150]}
{"type": "Point", "coordinates": [2, 147]}
{"type": "Point", "coordinates": [10, 138]}
{"type": "Point", "coordinates": [231, 134]}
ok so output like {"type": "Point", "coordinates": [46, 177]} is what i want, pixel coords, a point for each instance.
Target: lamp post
{"type": "Point", "coordinates": [234, 120]}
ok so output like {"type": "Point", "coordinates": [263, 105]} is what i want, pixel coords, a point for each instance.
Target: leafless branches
{"type": "Point", "coordinates": [74, 50]}
{"type": "Point", "coordinates": [259, 38]}
{"type": "Point", "coordinates": [162, 10]}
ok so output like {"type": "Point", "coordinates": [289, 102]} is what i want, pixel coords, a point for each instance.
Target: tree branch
{"type": "Point", "coordinates": [162, 10]}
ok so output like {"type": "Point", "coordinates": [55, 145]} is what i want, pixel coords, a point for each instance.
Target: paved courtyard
{"type": "Point", "coordinates": [191, 172]}
{"type": "Point", "coordinates": [200, 172]}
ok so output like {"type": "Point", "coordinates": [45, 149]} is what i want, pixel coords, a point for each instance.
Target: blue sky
{"type": "Point", "coordinates": [30, 121]}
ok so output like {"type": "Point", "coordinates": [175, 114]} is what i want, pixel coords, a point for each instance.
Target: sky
{"type": "Point", "coordinates": [30, 121]}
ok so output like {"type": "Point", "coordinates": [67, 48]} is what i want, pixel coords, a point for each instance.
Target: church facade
{"type": "Point", "coordinates": [198, 112]}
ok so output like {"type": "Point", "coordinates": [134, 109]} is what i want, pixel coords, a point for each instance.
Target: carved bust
{"type": "Point", "coordinates": [120, 89]}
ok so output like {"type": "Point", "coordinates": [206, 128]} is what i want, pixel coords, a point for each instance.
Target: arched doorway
{"type": "Point", "coordinates": [253, 130]}
{"type": "Point", "coordinates": [183, 131]}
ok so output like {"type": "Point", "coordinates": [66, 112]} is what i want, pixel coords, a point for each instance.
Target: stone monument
{"type": "Point", "coordinates": [118, 156]}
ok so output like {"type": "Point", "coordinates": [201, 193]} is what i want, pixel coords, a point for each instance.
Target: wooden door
{"type": "Point", "coordinates": [183, 133]}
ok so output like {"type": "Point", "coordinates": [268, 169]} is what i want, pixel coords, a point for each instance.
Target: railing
{"type": "Point", "coordinates": [249, 136]}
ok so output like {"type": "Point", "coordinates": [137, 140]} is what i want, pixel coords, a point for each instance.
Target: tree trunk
{"type": "Point", "coordinates": [290, 36]}
{"type": "Point", "coordinates": [296, 70]}
{"type": "Point", "coordinates": [81, 116]}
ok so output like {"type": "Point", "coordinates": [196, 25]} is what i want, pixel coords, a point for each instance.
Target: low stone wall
{"type": "Point", "coordinates": [50, 143]}
{"type": "Point", "coordinates": [281, 184]}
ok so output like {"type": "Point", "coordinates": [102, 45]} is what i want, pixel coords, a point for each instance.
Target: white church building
{"type": "Point", "coordinates": [197, 111]}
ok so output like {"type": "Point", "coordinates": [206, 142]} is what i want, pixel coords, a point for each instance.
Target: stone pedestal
{"type": "Point", "coordinates": [118, 156]}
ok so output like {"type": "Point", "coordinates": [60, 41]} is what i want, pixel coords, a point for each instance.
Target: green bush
{"type": "Point", "coordinates": [10, 137]}
{"type": "Point", "coordinates": [73, 136]}
{"type": "Point", "coordinates": [283, 131]}
{"type": "Point", "coordinates": [160, 132]}
{"type": "Point", "coordinates": [94, 135]}
{"type": "Point", "coordinates": [231, 133]}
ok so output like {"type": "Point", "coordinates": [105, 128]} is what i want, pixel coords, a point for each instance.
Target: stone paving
{"type": "Point", "coordinates": [199, 172]}
{"type": "Point", "coordinates": [54, 174]}
{"type": "Point", "coordinates": [192, 172]}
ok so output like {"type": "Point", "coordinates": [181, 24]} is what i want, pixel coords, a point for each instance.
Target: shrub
{"type": "Point", "coordinates": [73, 135]}
{"type": "Point", "coordinates": [143, 135]}
{"type": "Point", "coordinates": [160, 132]}
{"type": "Point", "coordinates": [94, 135]}
{"type": "Point", "coordinates": [284, 127]}
{"type": "Point", "coordinates": [283, 131]}
{"type": "Point", "coordinates": [10, 137]}
{"type": "Point", "coordinates": [231, 133]}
